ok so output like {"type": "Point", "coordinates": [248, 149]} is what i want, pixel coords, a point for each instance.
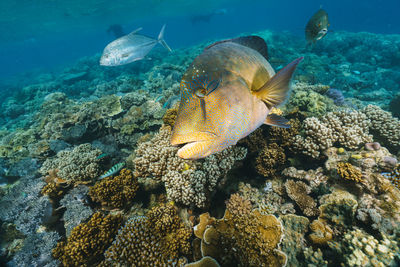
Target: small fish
{"type": "Point", "coordinates": [102, 156]}
{"type": "Point", "coordinates": [114, 169]}
{"type": "Point", "coordinates": [130, 48]}
{"type": "Point", "coordinates": [227, 93]}
{"type": "Point", "coordinates": [317, 26]}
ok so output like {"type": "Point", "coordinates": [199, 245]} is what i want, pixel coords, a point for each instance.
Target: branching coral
{"type": "Point", "coordinates": [88, 241]}
{"type": "Point", "coordinates": [115, 192]}
{"type": "Point", "coordinates": [79, 164]}
{"type": "Point", "coordinates": [269, 159]}
{"type": "Point", "coordinates": [384, 126]}
{"type": "Point", "coordinates": [158, 239]}
{"type": "Point", "coordinates": [346, 128]}
{"type": "Point", "coordinates": [349, 172]}
{"type": "Point", "coordinates": [187, 182]}
{"type": "Point", "coordinates": [244, 237]}
{"type": "Point", "coordinates": [298, 192]}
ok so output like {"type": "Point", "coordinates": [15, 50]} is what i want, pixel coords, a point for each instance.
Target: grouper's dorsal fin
{"type": "Point", "coordinates": [254, 42]}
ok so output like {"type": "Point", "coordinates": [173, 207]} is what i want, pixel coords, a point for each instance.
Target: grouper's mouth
{"type": "Point", "coordinates": [193, 137]}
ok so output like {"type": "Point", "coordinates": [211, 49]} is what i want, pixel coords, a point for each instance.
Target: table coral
{"type": "Point", "coordinates": [88, 241]}
{"type": "Point", "coordinates": [115, 192]}
{"type": "Point", "coordinates": [157, 239]}
{"type": "Point", "coordinates": [349, 172]}
{"type": "Point", "coordinates": [187, 182]}
{"type": "Point", "coordinates": [79, 164]}
{"type": "Point", "coordinates": [298, 192]}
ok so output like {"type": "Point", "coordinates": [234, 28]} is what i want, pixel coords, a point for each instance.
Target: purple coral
{"type": "Point", "coordinates": [336, 95]}
{"type": "Point", "coordinates": [372, 146]}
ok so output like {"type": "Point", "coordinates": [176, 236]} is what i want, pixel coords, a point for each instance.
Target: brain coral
{"type": "Point", "coordinates": [88, 241]}
{"type": "Point", "coordinates": [187, 182]}
{"type": "Point", "coordinates": [79, 164]}
{"type": "Point", "coordinates": [345, 128]}
{"type": "Point", "coordinates": [115, 192]}
{"type": "Point", "coordinates": [158, 239]}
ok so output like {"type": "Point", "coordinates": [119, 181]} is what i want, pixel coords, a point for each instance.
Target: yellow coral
{"type": "Point", "coordinates": [349, 172]}
{"type": "Point", "coordinates": [88, 241]}
{"type": "Point", "coordinates": [321, 232]}
{"type": "Point", "coordinates": [115, 192]}
{"type": "Point", "coordinates": [170, 116]}
{"type": "Point", "coordinates": [157, 239]}
{"type": "Point", "coordinates": [250, 239]}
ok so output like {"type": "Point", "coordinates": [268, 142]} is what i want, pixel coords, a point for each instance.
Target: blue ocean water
{"type": "Point", "coordinates": [232, 167]}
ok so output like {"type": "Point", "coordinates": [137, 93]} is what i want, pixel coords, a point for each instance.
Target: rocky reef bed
{"type": "Point", "coordinates": [324, 192]}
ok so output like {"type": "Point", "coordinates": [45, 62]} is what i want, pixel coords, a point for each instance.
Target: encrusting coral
{"type": "Point", "coordinates": [187, 182]}
{"type": "Point", "coordinates": [157, 239]}
{"type": "Point", "coordinates": [87, 242]}
{"type": "Point", "coordinates": [244, 237]}
{"type": "Point", "coordinates": [115, 192]}
{"type": "Point", "coordinates": [79, 164]}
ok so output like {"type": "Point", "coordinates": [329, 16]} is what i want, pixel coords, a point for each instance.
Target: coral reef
{"type": "Point", "coordinates": [349, 172]}
{"type": "Point", "coordinates": [79, 164]}
{"type": "Point", "coordinates": [115, 192]}
{"type": "Point", "coordinates": [269, 159]}
{"type": "Point", "coordinates": [187, 182]}
{"type": "Point", "coordinates": [157, 239]}
{"type": "Point", "coordinates": [87, 241]}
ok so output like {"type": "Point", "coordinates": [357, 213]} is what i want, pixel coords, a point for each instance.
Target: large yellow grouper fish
{"type": "Point", "coordinates": [227, 93]}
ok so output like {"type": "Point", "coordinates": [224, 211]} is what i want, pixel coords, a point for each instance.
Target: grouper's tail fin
{"type": "Point", "coordinates": [161, 39]}
{"type": "Point", "coordinates": [277, 89]}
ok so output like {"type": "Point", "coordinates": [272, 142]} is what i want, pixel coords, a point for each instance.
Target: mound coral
{"type": "Point", "coordinates": [157, 239]}
{"type": "Point", "coordinates": [357, 248]}
{"type": "Point", "coordinates": [247, 238]}
{"type": "Point", "coordinates": [187, 182]}
{"type": "Point", "coordinates": [384, 126]}
{"type": "Point", "coordinates": [88, 241]}
{"type": "Point", "coordinates": [79, 164]}
{"type": "Point", "coordinates": [115, 192]}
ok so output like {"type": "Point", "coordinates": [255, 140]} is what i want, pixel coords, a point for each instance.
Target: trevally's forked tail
{"type": "Point", "coordinates": [161, 39]}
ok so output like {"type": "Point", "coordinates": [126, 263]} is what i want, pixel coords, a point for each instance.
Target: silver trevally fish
{"type": "Point", "coordinates": [129, 48]}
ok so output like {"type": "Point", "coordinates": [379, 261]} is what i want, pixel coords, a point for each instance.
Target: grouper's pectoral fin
{"type": "Point", "coordinates": [276, 90]}
{"type": "Point", "coordinates": [276, 120]}
{"type": "Point", "coordinates": [196, 150]}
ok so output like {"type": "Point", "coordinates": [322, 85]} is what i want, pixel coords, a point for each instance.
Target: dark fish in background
{"type": "Point", "coordinates": [116, 30]}
{"type": "Point", "coordinates": [130, 47]}
{"type": "Point", "coordinates": [317, 26]}
{"type": "Point", "coordinates": [207, 17]}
